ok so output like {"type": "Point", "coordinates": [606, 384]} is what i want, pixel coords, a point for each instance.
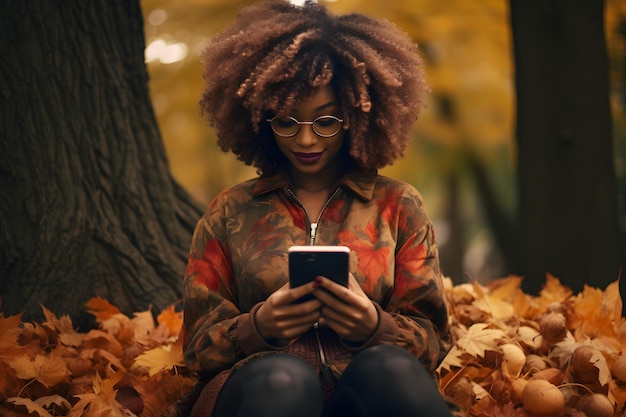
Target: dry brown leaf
{"type": "Point", "coordinates": [50, 401]}
{"type": "Point", "coordinates": [64, 327]}
{"type": "Point", "coordinates": [119, 326]}
{"type": "Point", "coordinates": [30, 405]}
{"type": "Point", "coordinates": [100, 403]}
{"type": "Point", "coordinates": [9, 330]}
{"type": "Point", "coordinates": [49, 369]}
{"type": "Point", "coordinates": [97, 339]}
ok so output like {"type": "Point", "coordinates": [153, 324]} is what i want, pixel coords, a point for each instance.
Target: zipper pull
{"type": "Point", "coordinates": [313, 233]}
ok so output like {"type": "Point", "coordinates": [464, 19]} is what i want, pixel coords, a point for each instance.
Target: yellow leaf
{"type": "Point", "coordinates": [159, 359]}
{"type": "Point", "coordinates": [48, 369]}
{"type": "Point", "coordinates": [499, 308]}
{"type": "Point", "coordinates": [30, 405]}
{"type": "Point", "coordinates": [479, 339]}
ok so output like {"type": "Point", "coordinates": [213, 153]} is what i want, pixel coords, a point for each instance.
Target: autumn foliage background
{"type": "Point", "coordinates": [504, 341]}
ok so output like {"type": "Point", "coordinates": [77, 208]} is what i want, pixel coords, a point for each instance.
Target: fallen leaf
{"type": "Point", "coordinates": [100, 403]}
{"type": "Point", "coordinates": [30, 405]}
{"type": "Point", "coordinates": [172, 319]}
{"type": "Point", "coordinates": [49, 401]}
{"type": "Point", "coordinates": [49, 369]}
{"type": "Point", "coordinates": [9, 329]}
{"type": "Point", "coordinates": [495, 304]}
{"type": "Point", "coordinates": [479, 338]}
{"type": "Point", "coordinates": [162, 358]}
{"type": "Point", "coordinates": [101, 309]}
{"type": "Point", "coordinates": [64, 327]}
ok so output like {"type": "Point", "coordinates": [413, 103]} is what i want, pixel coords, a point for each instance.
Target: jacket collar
{"type": "Point", "coordinates": [359, 182]}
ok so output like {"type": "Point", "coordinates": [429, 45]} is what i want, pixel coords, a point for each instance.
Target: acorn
{"type": "Point", "coordinates": [541, 397]}
{"type": "Point", "coordinates": [619, 368]}
{"type": "Point", "coordinates": [596, 405]}
{"type": "Point", "coordinates": [553, 327]}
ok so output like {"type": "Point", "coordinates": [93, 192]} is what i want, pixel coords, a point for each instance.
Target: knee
{"type": "Point", "coordinates": [274, 385]}
{"type": "Point", "coordinates": [388, 361]}
{"type": "Point", "coordinates": [279, 371]}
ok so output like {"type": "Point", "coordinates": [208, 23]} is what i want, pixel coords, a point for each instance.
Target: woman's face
{"type": "Point", "coordinates": [307, 152]}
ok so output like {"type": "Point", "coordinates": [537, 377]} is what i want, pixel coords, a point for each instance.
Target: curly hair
{"type": "Point", "coordinates": [275, 55]}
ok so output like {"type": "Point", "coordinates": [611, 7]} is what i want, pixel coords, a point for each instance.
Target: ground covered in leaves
{"type": "Point", "coordinates": [556, 354]}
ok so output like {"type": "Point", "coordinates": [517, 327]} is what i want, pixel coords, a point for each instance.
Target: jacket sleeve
{"type": "Point", "coordinates": [417, 303]}
{"type": "Point", "coordinates": [215, 331]}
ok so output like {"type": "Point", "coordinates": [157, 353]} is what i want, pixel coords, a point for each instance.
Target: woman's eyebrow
{"type": "Point", "coordinates": [329, 104]}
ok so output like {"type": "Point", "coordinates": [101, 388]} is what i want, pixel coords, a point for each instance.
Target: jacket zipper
{"type": "Point", "coordinates": [325, 367]}
{"type": "Point", "coordinates": [313, 225]}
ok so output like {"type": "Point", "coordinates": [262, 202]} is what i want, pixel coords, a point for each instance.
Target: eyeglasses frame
{"type": "Point", "coordinates": [299, 123]}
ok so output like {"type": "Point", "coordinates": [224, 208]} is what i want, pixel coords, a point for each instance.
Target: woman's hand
{"type": "Point", "coordinates": [347, 311]}
{"type": "Point", "coordinates": [280, 318]}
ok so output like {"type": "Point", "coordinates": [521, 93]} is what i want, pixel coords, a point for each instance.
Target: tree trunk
{"type": "Point", "coordinates": [88, 206]}
{"type": "Point", "coordinates": [568, 196]}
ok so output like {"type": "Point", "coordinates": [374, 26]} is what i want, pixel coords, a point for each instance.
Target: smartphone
{"type": "Point", "coordinates": [308, 262]}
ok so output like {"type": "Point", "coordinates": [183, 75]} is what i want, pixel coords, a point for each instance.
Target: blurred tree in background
{"type": "Point", "coordinates": [464, 154]}
{"type": "Point", "coordinates": [567, 189]}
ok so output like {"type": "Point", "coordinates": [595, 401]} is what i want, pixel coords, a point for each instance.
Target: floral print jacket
{"type": "Point", "coordinates": [238, 257]}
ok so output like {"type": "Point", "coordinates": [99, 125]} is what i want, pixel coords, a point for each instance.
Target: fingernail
{"type": "Point", "coordinates": [317, 282]}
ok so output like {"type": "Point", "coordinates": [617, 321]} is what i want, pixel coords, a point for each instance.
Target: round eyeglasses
{"type": "Point", "coordinates": [323, 126]}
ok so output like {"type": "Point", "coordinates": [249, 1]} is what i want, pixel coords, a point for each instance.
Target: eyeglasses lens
{"type": "Point", "coordinates": [324, 126]}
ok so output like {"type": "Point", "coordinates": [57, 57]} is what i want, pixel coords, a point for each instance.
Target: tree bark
{"type": "Point", "coordinates": [567, 186]}
{"type": "Point", "coordinates": [88, 207]}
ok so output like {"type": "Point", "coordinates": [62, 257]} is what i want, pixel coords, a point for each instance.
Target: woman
{"type": "Point", "coordinates": [317, 103]}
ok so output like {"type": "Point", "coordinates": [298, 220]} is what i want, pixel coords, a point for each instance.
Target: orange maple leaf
{"type": "Point", "coordinates": [101, 309]}
{"type": "Point", "coordinates": [172, 319]}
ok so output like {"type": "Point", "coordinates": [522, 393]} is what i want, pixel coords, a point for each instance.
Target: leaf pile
{"type": "Point", "coordinates": [129, 366]}
{"type": "Point", "coordinates": [517, 355]}
{"type": "Point", "coordinates": [513, 355]}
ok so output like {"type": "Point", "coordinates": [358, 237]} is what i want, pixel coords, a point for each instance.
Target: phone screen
{"type": "Point", "coordinates": [308, 262]}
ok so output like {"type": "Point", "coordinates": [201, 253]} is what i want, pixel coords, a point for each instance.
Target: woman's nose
{"type": "Point", "coordinates": [306, 136]}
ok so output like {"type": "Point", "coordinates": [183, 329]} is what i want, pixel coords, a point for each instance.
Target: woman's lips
{"type": "Point", "coordinates": [308, 158]}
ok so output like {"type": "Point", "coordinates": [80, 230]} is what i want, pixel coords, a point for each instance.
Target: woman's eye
{"type": "Point", "coordinates": [285, 122]}
{"type": "Point", "coordinates": [326, 121]}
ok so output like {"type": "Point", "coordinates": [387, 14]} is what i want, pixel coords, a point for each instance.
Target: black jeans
{"type": "Point", "coordinates": [383, 380]}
